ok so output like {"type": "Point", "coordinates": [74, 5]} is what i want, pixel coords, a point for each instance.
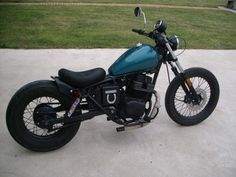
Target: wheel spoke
{"type": "Point", "coordinates": [28, 115]}
{"type": "Point", "coordinates": [28, 122]}
{"type": "Point", "coordinates": [191, 109]}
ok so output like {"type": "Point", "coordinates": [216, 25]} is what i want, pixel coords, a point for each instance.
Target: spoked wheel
{"type": "Point", "coordinates": [28, 114]}
{"type": "Point", "coordinates": [182, 107]}
{"type": "Point", "coordinates": [38, 112]}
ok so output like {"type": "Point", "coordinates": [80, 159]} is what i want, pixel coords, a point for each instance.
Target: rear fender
{"type": "Point", "coordinates": [63, 87]}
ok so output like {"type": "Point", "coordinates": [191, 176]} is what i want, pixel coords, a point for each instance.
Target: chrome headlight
{"type": "Point", "coordinates": [174, 42]}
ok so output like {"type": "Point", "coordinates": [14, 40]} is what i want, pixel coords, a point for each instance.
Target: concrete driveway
{"type": "Point", "coordinates": [160, 149]}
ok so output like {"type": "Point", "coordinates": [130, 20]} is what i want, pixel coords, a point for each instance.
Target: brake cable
{"type": "Point", "coordinates": [168, 72]}
{"type": "Point", "coordinates": [185, 46]}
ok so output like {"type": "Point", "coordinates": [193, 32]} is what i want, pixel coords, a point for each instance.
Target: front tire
{"type": "Point", "coordinates": [23, 123]}
{"type": "Point", "coordinates": [185, 112]}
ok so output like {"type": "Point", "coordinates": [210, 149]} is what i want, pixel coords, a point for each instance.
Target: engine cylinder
{"type": "Point", "coordinates": [138, 91]}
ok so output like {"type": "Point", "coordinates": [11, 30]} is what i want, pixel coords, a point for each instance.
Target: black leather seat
{"type": "Point", "coordinates": [81, 79]}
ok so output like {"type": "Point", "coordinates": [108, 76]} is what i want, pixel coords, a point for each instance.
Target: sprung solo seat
{"type": "Point", "coordinates": [81, 79]}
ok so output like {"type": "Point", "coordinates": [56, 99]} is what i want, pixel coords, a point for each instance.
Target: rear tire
{"type": "Point", "coordinates": [186, 113]}
{"type": "Point", "coordinates": [21, 121]}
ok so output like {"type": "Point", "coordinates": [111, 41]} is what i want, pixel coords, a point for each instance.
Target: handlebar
{"type": "Point", "coordinates": [155, 36]}
{"type": "Point", "coordinates": [139, 31]}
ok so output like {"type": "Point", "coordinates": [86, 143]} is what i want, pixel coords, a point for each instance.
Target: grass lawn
{"type": "Point", "coordinates": [208, 3]}
{"type": "Point", "coordinates": [102, 27]}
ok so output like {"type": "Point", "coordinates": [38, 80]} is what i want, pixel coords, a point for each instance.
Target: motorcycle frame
{"type": "Point", "coordinates": [167, 57]}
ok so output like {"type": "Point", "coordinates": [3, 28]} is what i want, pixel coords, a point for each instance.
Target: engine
{"type": "Point", "coordinates": [138, 92]}
{"type": "Point", "coordinates": [129, 99]}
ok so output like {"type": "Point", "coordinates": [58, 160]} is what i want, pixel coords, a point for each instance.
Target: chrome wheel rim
{"type": "Point", "coordinates": [188, 109]}
{"type": "Point", "coordinates": [28, 116]}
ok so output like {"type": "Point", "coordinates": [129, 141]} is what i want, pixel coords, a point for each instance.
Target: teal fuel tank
{"type": "Point", "coordinates": [141, 58]}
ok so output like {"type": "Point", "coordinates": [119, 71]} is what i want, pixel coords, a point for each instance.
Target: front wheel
{"type": "Point", "coordinates": [182, 108]}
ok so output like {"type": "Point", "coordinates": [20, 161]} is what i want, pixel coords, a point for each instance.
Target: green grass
{"type": "Point", "coordinates": [208, 3]}
{"type": "Point", "coordinates": [102, 27]}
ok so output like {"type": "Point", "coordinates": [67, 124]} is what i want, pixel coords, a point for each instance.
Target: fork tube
{"type": "Point", "coordinates": [184, 78]}
{"type": "Point", "coordinates": [174, 58]}
{"type": "Point", "coordinates": [174, 66]}
{"type": "Point", "coordinates": [179, 66]}
{"type": "Point", "coordinates": [189, 87]}
{"type": "Point", "coordinates": [171, 51]}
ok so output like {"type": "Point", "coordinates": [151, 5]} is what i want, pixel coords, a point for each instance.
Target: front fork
{"type": "Point", "coordinates": [186, 84]}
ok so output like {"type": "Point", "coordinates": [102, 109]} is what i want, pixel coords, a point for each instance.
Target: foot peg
{"type": "Point", "coordinates": [131, 126]}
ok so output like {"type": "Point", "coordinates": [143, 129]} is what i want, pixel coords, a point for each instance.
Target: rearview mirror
{"type": "Point", "coordinates": [138, 12]}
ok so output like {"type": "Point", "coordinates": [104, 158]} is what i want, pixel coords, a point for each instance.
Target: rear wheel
{"type": "Point", "coordinates": [28, 111]}
{"type": "Point", "coordinates": [182, 108]}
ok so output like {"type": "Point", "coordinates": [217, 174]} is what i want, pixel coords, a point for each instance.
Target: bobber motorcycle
{"type": "Point", "coordinates": [45, 115]}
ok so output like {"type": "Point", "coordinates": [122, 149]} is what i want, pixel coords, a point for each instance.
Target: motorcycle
{"type": "Point", "coordinates": [44, 115]}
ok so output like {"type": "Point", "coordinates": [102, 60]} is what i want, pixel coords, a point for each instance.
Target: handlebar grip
{"type": "Point", "coordinates": [139, 31]}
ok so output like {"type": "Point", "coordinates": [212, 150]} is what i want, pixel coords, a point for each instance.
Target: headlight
{"type": "Point", "coordinates": [174, 42]}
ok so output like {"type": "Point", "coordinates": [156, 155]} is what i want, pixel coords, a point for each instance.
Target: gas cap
{"type": "Point", "coordinates": [138, 45]}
